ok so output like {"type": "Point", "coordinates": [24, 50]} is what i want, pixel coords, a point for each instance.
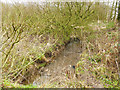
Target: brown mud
{"type": "Point", "coordinates": [60, 68]}
{"type": "Point", "coordinates": [63, 66]}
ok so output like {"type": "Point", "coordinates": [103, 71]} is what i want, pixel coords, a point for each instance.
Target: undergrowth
{"type": "Point", "coordinates": [33, 34]}
{"type": "Point", "coordinates": [101, 55]}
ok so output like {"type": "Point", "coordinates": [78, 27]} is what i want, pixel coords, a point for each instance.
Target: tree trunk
{"type": "Point", "coordinates": [119, 38]}
{"type": "Point", "coordinates": [119, 13]}
{"type": "Point", "coordinates": [111, 13]}
{"type": "Point", "coordinates": [114, 18]}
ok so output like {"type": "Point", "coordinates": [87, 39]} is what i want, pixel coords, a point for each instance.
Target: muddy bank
{"type": "Point", "coordinates": [70, 49]}
{"type": "Point", "coordinates": [63, 66]}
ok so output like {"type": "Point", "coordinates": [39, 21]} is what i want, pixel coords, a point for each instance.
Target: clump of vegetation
{"type": "Point", "coordinates": [101, 56]}
{"type": "Point", "coordinates": [32, 34]}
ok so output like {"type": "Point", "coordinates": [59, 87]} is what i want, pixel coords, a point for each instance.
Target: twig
{"type": "Point", "coordinates": [117, 67]}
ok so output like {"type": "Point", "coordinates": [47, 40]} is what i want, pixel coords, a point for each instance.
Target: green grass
{"type": "Point", "coordinates": [8, 84]}
{"type": "Point", "coordinates": [110, 25]}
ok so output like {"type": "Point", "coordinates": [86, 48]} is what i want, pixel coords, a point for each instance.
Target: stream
{"type": "Point", "coordinates": [63, 67]}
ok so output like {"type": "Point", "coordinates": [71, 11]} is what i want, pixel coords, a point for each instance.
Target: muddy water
{"type": "Point", "coordinates": [63, 67]}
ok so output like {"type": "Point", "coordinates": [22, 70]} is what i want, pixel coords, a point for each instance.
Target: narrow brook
{"type": "Point", "coordinates": [63, 67]}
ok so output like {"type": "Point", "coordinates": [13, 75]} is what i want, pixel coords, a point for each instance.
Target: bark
{"type": "Point", "coordinates": [115, 11]}
{"type": "Point", "coordinates": [111, 13]}
{"type": "Point", "coordinates": [119, 13]}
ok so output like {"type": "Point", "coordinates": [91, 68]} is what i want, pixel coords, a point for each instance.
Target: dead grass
{"type": "Point", "coordinates": [27, 38]}
{"type": "Point", "coordinates": [101, 56]}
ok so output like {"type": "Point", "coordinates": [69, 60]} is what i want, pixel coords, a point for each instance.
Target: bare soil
{"type": "Point", "coordinates": [62, 69]}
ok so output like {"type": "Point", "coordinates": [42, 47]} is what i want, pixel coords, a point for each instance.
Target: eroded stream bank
{"type": "Point", "coordinates": [61, 72]}
{"type": "Point", "coordinates": [62, 68]}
